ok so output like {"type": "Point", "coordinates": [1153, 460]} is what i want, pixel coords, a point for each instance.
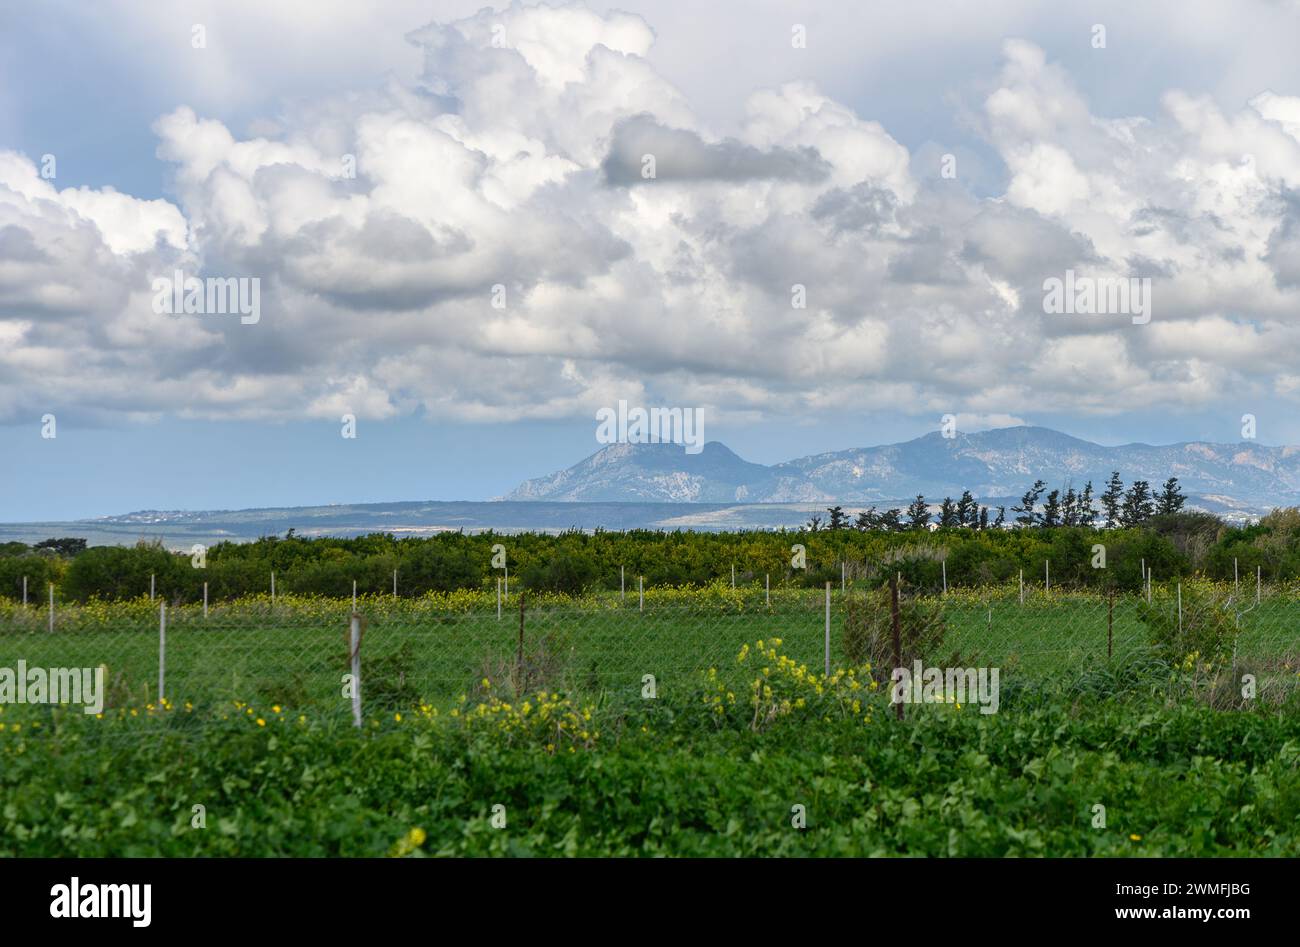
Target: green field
{"type": "Point", "coordinates": [255, 728]}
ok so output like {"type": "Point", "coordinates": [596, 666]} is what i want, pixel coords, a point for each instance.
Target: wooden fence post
{"type": "Point", "coordinates": [1110, 624]}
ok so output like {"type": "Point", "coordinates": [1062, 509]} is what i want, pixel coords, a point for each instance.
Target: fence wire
{"type": "Point", "coordinates": [294, 656]}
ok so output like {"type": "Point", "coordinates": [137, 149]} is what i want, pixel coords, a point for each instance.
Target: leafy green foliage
{"type": "Point", "coordinates": [1175, 781]}
{"type": "Point", "coordinates": [39, 571]}
{"type": "Point", "coordinates": [116, 572]}
{"type": "Point", "coordinates": [1194, 622]}
{"type": "Point", "coordinates": [868, 636]}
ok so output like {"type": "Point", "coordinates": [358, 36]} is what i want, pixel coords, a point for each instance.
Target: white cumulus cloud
{"type": "Point", "coordinates": [482, 244]}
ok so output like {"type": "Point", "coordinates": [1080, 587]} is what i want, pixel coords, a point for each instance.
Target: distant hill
{"type": "Point", "coordinates": [665, 473]}
{"type": "Point", "coordinates": [1242, 478]}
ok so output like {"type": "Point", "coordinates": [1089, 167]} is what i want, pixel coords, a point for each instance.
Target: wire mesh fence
{"type": "Point", "coordinates": [296, 654]}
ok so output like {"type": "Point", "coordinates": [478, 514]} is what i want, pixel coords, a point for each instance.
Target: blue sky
{"type": "Point", "coordinates": [503, 148]}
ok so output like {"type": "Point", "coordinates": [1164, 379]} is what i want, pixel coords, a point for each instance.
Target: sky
{"type": "Point", "coordinates": [457, 241]}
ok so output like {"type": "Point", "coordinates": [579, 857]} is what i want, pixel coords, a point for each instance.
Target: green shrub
{"type": "Point", "coordinates": [116, 572]}
{"type": "Point", "coordinates": [1203, 629]}
{"type": "Point", "coordinates": [39, 571]}
{"type": "Point", "coordinates": [868, 636]}
{"type": "Point", "coordinates": [568, 573]}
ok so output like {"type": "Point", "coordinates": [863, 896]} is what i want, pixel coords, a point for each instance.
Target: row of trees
{"type": "Point", "coordinates": [1172, 544]}
{"type": "Point", "coordinates": [963, 512]}
{"type": "Point", "coordinates": [1119, 508]}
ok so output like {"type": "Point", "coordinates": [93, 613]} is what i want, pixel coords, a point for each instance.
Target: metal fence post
{"type": "Point", "coordinates": [733, 575]}
{"type": "Point", "coordinates": [205, 600]}
{"type": "Point", "coordinates": [498, 598]}
{"type": "Point", "coordinates": [828, 629]}
{"type": "Point", "coordinates": [1022, 586]}
{"type": "Point", "coordinates": [640, 585]}
{"type": "Point", "coordinates": [520, 680]}
{"type": "Point", "coordinates": [51, 606]}
{"type": "Point", "coordinates": [394, 583]}
{"type": "Point", "coordinates": [151, 578]}
{"type": "Point", "coordinates": [355, 642]}
{"type": "Point", "coordinates": [896, 622]}
{"type": "Point", "coordinates": [1235, 589]}
{"type": "Point", "coordinates": [162, 651]}
{"type": "Point", "coordinates": [767, 588]}
{"type": "Point", "coordinates": [1180, 608]}
{"type": "Point", "coordinates": [1047, 575]}
{"type": "Point", "coordinates": [943, 563]}
{"type": "Point", "coordinates": [24, 591]}
{"type": "Point", "coordinates": [622, 585]}
{"type": "Point", "coordinates": [1257, 572]}
{"type": "Point", "coordinates": [272, 589]}
{"type": "Point", "coordinates": [843, 576]}
{"type": "Point", "coordinates": [354, 595]}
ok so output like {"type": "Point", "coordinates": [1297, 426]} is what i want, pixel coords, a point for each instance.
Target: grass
{"type": "Point", "coordinates": [295, 652]}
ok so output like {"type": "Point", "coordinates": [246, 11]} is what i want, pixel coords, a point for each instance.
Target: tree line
{"type": "Point", "coordinates": [1169, 544]}
{"type": "Point", "coordinates": [1118, 508]}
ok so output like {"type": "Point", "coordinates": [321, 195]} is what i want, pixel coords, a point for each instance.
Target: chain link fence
{"type": "Point", "coordinates": [296, 654]}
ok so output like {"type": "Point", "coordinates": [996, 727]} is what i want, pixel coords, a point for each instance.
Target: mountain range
{"type": "Point", "coordinates": [660, 486]}
{"type": "Point", "coordinates": [1244, 478]}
